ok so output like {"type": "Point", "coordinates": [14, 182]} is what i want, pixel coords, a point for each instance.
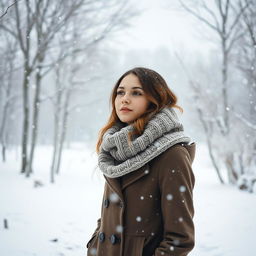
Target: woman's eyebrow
{"type": "Point", "coordinates": [121, 87]}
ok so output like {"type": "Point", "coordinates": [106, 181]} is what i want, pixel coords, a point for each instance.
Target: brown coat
{"type": "Point", "coordinates": [149, 211]}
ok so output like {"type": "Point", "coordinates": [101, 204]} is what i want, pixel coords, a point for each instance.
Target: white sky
{"type": "Point", "coordinates": [163, 25]}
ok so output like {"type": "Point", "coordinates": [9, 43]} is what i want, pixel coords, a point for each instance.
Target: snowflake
{"type": "Point", "coordinates": [169, 197]}
{"type": "Point", "coordinates": [119, 229]}
{"type": "Point", "coordinates": [113, 197]}
{"type": "Point", "coordinates": [138, 218]}
{"type": "Point", "coordinates": [182, 188]}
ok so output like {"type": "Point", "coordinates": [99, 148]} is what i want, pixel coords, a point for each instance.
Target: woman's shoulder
{"type": "Point", "coordinates": [179, 152]}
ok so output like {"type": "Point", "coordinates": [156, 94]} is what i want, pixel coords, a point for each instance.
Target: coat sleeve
{"type": "Point", "coordinates": [176, 183]}
{"type": "Point", "coordinates": [98, 221]}
{"type": "Point", "coordinates": [95, 232]}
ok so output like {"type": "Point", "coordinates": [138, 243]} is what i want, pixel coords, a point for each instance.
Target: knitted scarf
{"type": "Point", "coordinates": [116, 158]}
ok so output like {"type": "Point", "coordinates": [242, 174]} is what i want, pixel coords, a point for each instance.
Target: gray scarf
{"type": "Point", "coordinates": [116, 158]}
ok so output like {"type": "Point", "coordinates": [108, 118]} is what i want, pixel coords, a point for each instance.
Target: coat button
{"type": "Point", "coordinates": [101, 237]}
{"type": "Point", "coordinates": [106, 203]}
{"type": "Point", "coordinates": [114, 239]}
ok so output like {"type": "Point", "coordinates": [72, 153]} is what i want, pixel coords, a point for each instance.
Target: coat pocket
{"type": "Point", "coordinates": [92, 246]}
{"type": "Point", "coordinates": [134, 245]}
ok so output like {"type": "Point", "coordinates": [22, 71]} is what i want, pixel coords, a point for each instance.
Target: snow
{"type": "Point", "coordinates": [59, 219]}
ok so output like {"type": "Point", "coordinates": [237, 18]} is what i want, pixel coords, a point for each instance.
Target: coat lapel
{"type": "Point", "coordinates": [127, 180]}
{"type": "Point", "coordinates": [115, 185]}
{"type": "Point", "coordinates": [130, 178]}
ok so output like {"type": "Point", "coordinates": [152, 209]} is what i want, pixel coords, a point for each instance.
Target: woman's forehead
{"type": "Point", "coordinates": [130, 81]}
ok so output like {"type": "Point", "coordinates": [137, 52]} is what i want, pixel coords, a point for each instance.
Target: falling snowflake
{"type": "Point", "coordinates": [113, 197]}
{"type": "Point", "coordinates": [93, 251]}
{"type": "Point", "coordinates": [182, 188]}
{"type": "Point", "coordinates": [142, 198]}
{"type": "Point", "coordinates": [119, 229]}
{"type": "Point", "coordinates": [169, 197]}
{"type": "Point", "coordinates": [180, 219]}
{"type": "Point", "coordinates": [138, 218]}
{"type": "Point", "coordinates": [171, 248]}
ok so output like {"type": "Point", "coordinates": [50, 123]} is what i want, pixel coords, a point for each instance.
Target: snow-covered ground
{"type": "Point", "coordinates": [58, 219]}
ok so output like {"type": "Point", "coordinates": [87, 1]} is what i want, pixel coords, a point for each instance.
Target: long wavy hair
{"type": "Point", "coordinates": [156, 91]}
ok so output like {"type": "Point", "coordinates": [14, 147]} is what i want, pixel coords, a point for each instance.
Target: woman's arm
{"type": "Point", "coordinates": [176, 182]}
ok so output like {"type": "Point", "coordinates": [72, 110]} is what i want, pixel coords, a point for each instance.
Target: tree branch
{"type": "Point", "coordinates": [214, 27]}
{"type": "Point", "coordinates": [8, 8]}
{"type": "Point", "coordinates": [245, 121]}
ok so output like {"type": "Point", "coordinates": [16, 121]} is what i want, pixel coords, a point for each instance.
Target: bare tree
{"type": "Point", "coordinates": [244, 59]}
{"type": "Point", "coordinates": [201, 97]}
{"type": "Point", "coordinates": [36, 27]}
{"type": "Point", "coordinates": [46, 29]}
{"type": "Point", "coordinates": [20, 25]}
{"type": "Point", "coordinates": [8, 94]}
{"type": "Point", "coordinates": [66, 70]}
{"type": "Point", "coordinates": [222, 17]}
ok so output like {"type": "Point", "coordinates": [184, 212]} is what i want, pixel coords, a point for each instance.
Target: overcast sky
{"type": "Point", "coordinates": [161, 24]}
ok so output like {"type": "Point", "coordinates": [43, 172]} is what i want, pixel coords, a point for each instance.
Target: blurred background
{"type": "Point", "coordinates": [59, 61]}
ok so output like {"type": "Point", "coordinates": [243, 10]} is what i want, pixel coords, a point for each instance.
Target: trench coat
{"type": "Point", "coordinates": [149, 212]}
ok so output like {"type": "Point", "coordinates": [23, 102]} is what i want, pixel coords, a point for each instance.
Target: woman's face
{"type": "Point", "coordinates": [130, 95]}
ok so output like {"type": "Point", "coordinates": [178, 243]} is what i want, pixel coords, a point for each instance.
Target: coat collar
{"type": "Point", "coordinates": [117, 186]}
{"type": "Point", "coordinates": [191, 148]}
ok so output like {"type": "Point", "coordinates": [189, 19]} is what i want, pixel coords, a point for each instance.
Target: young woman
{"type": "Point", "coordinates": [146, 160]}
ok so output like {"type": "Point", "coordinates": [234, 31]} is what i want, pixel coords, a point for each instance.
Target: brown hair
{"type": "Point", "coordinates": [157, 92]}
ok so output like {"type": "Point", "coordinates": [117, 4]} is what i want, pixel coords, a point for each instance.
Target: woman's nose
{"type": "Point", "coordinates": [126, 98]}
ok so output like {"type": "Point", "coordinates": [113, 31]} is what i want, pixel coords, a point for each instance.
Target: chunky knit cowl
{"type": "Point", "coordinates": [117, 158]}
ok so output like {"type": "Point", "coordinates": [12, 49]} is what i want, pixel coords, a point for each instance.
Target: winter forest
{"type": "Point", "coordinates": [59, 61]}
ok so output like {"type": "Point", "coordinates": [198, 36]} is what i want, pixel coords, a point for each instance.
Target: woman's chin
{"type": "Point", "coordinates": [125, 119]}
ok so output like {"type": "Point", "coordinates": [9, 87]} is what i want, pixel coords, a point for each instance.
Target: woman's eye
{"type": "Point", "coordinates": [119, 92]}
{"type": "Point", "coordinates": [137, 93]}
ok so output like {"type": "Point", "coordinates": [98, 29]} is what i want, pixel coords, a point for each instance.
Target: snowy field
{"type": "Point", "coordinates": [57, 220]}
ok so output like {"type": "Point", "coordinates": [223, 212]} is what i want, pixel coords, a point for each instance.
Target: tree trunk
{"type": "Point", "coordinates": [229, 162]}
{"type": "Point", "coordinates": [57, 123]}
{"type": "Point", "coordinates": [25, 129]}
{"type": "Point", "coordinates": [55, 145]}
{"type": "Point", "coordinates": [36, 111]}
{"type": "Point", "coordinates": [63, 131]}
{"type": "Point", "coordinates": [3, 130]}
{"type": "Point", "coordinates": [224, 87]}
{"type": "Point", "coordinates": [209, 145]}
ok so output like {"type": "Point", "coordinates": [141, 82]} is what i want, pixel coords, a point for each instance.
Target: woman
{"type": "Point", "coordinates": [146, 159]}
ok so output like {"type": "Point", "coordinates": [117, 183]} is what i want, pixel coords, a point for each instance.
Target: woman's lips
{"type": "Point", "coordinates": [125, 110]}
